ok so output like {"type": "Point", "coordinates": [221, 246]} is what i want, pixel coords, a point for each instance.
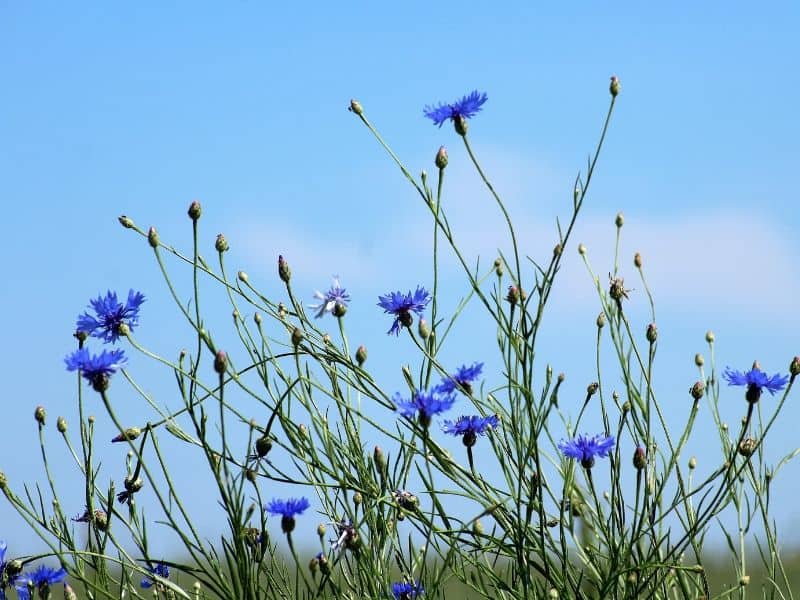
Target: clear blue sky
{"type": "Point", "coordinates": [138, 110]}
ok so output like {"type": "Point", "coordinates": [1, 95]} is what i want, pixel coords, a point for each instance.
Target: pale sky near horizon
{"type": "Point", "coordinates": [138, 110]}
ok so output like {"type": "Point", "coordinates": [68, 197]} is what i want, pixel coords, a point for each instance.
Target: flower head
{"type": "Point", "coordinates": [463, 377]}
{"type": "Point", "coordinates": [98, 368]}
{"type": "Point", "coordinates": [160, 569]}
{"type": "Point", "coordinates": [756, 380]}
{"type": "Point", "coordinates": [585, 448]}
{"type": "Point", "coordinates": [110, 314]}
{"type": "Point", "coordinates": [406, 591]}
{"type": "Point", "coordinates": [425, 403]}
{"type": "Point", "coordinates": [466, 107]}
{"type": "Point", "coordinates": [337, 295]}
{"type": "Point", "coordinates": [41, 579]}
{"type": "Point", "coordinates": [471, 427]}
{"type": "Point", "coordinates": [402, 305]}
{"type": "Point", "coordinates": [287, 509]}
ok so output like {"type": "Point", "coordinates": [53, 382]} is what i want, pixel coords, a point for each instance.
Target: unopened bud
{"type": "Point", "coordinates": [693, 462]}
{"type": "Point", "coordinates": [321, 530]}
{"type": "Point", "coordinates": [128, 435]}
{"type": "Point", "coordinates": [710, 336]}
{"type": "Point", "coordinates": [794, 366]}
{"type": "Point", "coordinates": [257, 318]}
{"type": "Point", "coordinates": [744, 580]}
{"type": "Point", "coordinates": [620, 220]}
{"type": "Point", "coordinates": [557, 250]}
{"type": "Point", "coordinates": [581, 249]}
{"type": "Point", "coordinates": [263, 446]}
{"type": "Point", "coordinates": [379, 458]}
{"type": "Point", "coordinates": [297, 337]}
{"type": "Point", "coordinates": [639, 458]}
{"type": "Point", "coordinates": [614, 87]}
{"type": "Point", "coordinates": [513, 295]}
{"type": "Point", "coordinates": [747, 446]}
{"type": "Point", "coordinates": [697, 390]}
{"type": "Point", "coordinates": [195, 210]}
{"type": "Point", "coordinates": [423, 329]}
{"type": "Point", "coordinates": [441, 158]}
{"type": "Point", "coordinates": [126, 222]}
{"type": "Point", "coordinates": [69, 593]}
{"type": "Point", "coordinates": [477, 527]}
{"type": "Point", "coordinates": [81, 336]}
{"type": "Point", "coordinates": [356, 108]}
{"type": "Point", "coordinates": [284, 272]}
{"type": "Point", "coordinates": [39, 414]}
{"type": "Point", "coordinates": [591, 389]}
{"type": "Point", "coordinates": [243, 277]}
{"type": "Point", "coordinates": [637, 260]}
{"type": "Point", "coordinates": [220, 362]}
{"type": "Point", "coordinates": [361, 355]}
{"type": "Point", "coordinates": [221, 244]}
{"type": "Point", "coordinates": [152, 237]}
{"type": "Point", "coordinates": [652, 333]}
{"type": "Point", "coordinates": [699, 360]}
{"type": "Point", "coordinates": [601, 320]}
{"type": "Point", "coordinates": [358, 498]}
{"type": "Point", "coordinates": [61, 425]}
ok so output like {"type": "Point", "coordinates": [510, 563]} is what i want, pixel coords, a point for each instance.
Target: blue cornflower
{"type": "Point", "coordinates": [463, 377]}
{"type": "Point", "coordinates": [98, 368]}
{"type": "Point", "coordinates": [402, 305]}
{"type": "Point", "coordinates": [160, 569]}
{"type": "Point", "coordinates": [471, 427]}
{"type": "Point", "coordinates": [110, 315]}
{"type": "Point", "coordinates": [406, 591]}
{"type": "Point", "coordinates": [585, 448]}
{"type": "Point", "coordinates": [287, 509]}
{"type": "Point", "coordinates": [425, 403]}
{"type": "Point", "coordinates": [4, 578]}
{"type": "Point", "coordinates": [333, 301]}
{"type": "Point", "coordinates": [756, 380]}
{"type": "Point", "coordinates": [459, 110]}
{"type": "Point", "coordinates": [41, 579]}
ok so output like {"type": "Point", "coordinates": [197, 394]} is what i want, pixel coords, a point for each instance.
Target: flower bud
{"type": "Point", "coordinates": [591, 389]}
{"type": "Point", "coordinates": [361, 355]}
{"type": "Point", "coordinates": [697, 390]}
{"type": "Point", "coordinates": [423, 329]}
{"type": "Point", "coordinates": [617, 289]}
{"type": "Point", "coordinates": [257, 318]}
{"type": "Point", "coordinates": [601, 320]}
{"type": "Point", "coordinates": [14, 568]}
{"type": "Point", "coordinates": [379, 459]}
{"type": "Point", "coordinates": [284, 272]}
{"type": "Point", "coordinates": [263, 446]}
{"type": "Point", "coordinates": [693, 462]}
{"type": "Point", "coordinates": [128, 435]}
{"type": "Point", "coordinates": [39, 414]}
{"type": "Point", "coordinates": [699, 360]}
{"type": "Point", "coordinates": [581, 249]}
{"type": "Point", "coordinates": [81, 336]}
{"type": "Point", "coordinates": [123, 329]}
{"type": "Point", "coordinates": [710, 336]}
{"type": "Point", "coordinates": [513, 295]}
{"type": "Point", "coordinates": [620, 220]}
{"type": "Point", "coordinates": [339, 310]}
{"type": "Point", "coordinates": [220, 362]}
{"type": "Point", "coordinates": [460, 124]}
{"type": "Point", "coordinates": [321, 530]}
{"type": "Point", "coordinates": [195, 210]}
{"type": "Point", "coordinates": [3, 482]}
{"type": "Point", "coordinates": [61, 425]}
{"type": "Point", "coordinates": [358, 498]}
{"type": "Point", "coordinates": [313, 565]}
{"type": "Point", "coordinates": [126, 222]}
{"type": "Point", "coordinates": [557, 250]}
{"type": "Point", "coordinates": [477, 527]}
{"type": "Point", "coordinates": [355, 107]}
{"type": "Point", "coordinates": [744, 580]}
{"type": "Point", "coordinates": [747, 446]}
{"type": "Point", "coordinates": [614, 87]}
{"type": "Point", "coordinates": [652, 333]}
{"type": "Point", "coordinates": [152, 237]}
{"type": "Point", "coordinates": [221, 244]}
{"type": "Point", "coordinates": [794, 366]}
{"type": "Point", "coordinates": [639, 458]}
{"type": "Point", "coordinates": [69, 593]}
{"type": "Point", "coordinates": [637, 260]}
{"type": "Point", "coordinates": [297, 337]}
{"type": "Point", "coordinates": [441, 158]}
{"type": "Point", "coordinates": [243, 277]}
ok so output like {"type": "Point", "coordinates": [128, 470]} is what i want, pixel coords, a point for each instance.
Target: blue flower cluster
{"type": "Point", "coordinates": [40, 580]}
{"type": "Point", "coordinates": [160, 569]}
{"type": "Point", "coordinates": [404, 590]}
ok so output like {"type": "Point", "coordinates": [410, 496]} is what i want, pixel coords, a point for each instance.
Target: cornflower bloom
{"type": "Point", "coordinates": [460, 110]}
{"type": "Point", "coordinates": [333, 301]}
{"type": "Point", "coordinates": [756, 381]}
{"type": "Point", "coordinates": [471, 427]}
{"type": "Point", "coordinates": [96, 369]}
{"type": "Point", "coordinates": [425, 403]}
{"type": "Point", "coordinates": [287, 509]}
{"type": "Point", "coordinates": [407, 591]}
{"type": "Point", "coordinates": [585, 448]}
{"type": "Point", "coordinates": [402, 305]}
{"type": "Point", "coordinates": [160, 569]}
{"type": "Point", "coordinates": [463, 377]}
{"type": "Point", "coordinates": [41, 579]}
{"type": "Point", "coordinates": [110, 315]}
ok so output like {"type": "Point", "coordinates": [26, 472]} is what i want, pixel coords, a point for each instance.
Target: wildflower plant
{"type": "Point", "coordinates": [374, 496]}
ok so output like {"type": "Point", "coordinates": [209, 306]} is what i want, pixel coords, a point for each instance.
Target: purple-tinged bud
{"type": "Point", "coordinates": [639, 458]}
{"type": "Point", "coordinates": [794, 367]}
{"type": "Point", "coordinates": [284, 272]}
{"type": "Point", "coordinates": [221, 362]}
{"type": "Point", "coordinates": [637, 260]}
{"type": "Point", "coordinates": [355, 107]}
{"type": "Point", "coordinates": [616, 289]}
{"type": "Point", "coordinates": [441, 158]}
{"type": "Point", "coordinates": [126, 222]}
{"type": "Point", "coordinates": [130, 434]}
{"type": "Point", "coordinates": [361, 355]}
{"type": "Point", "coordinates": [195, 210]}
{"type": "Point", "coordinates": [61, 425]}
{"type": "Point", "coordinates": [152, 237]}
{"type": "Point", "coordinates": [221, 244]}
{"type": "Point", "coordinates": [513, 295]}
{"type": "Point", "coordinates": [697, 390]}
{"type": "Point", "coordinates": [39, 414]}
{"type": "Point", "coordinates": [614, 87]}
{"type": "Point", "coordinates": [619, 221]}
{"type": "Point", "coordinates": [651, 333]}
